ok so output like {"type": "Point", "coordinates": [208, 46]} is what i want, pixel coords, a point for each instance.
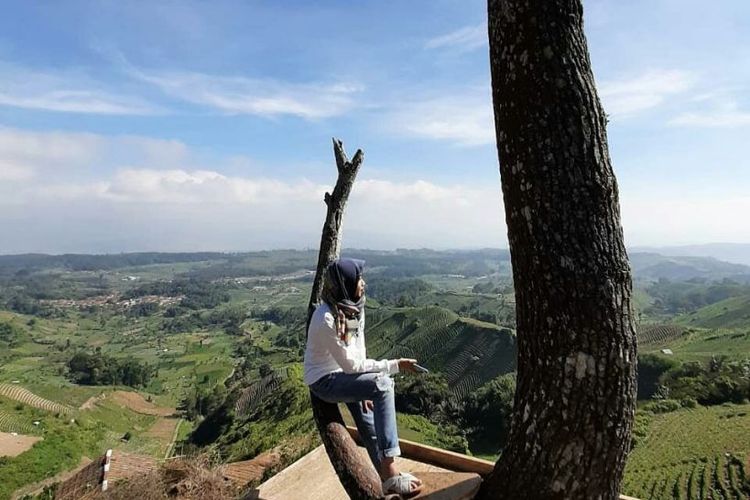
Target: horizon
{"type": "Point", "coordinates": [187, 126]}
{"type": "Point", "coordinates": [630, 248]}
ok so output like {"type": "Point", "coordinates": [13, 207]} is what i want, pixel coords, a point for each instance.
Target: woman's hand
{"type": "Point", "coordinates": [406, 365]}
{"type": "Point", "coordinates": [367, 406]}
{"type": "Point", "coordinates": [341, 325]}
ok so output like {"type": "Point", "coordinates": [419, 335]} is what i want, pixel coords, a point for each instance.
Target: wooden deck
{"type": "Point", "coordinates": [312, 478]}
{"type": "Point", "coordinates": [446, 475]}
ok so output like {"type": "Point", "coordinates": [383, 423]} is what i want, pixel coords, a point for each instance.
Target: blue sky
{"type": "Point", "coordinates": [194, 126]}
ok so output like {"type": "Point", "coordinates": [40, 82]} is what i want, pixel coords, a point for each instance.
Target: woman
{"type": "Point", "coordinates": [338, 371]}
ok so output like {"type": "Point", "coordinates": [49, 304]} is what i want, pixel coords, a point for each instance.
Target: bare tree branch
{"type": "Point", "coordinates": [357, 475]}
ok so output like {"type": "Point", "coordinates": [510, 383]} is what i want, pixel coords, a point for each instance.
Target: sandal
{"type": "Point", "coordinates": [412, 477]}
{"type": "Point", "coordinates": [401, 485]}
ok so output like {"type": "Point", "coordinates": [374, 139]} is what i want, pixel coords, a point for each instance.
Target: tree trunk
{"type": "Point", "coordinates": [575, 397]}
{"type": "Point", "coordinates": [357, 475]}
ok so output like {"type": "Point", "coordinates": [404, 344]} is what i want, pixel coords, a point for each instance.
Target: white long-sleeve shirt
{"type": "Point", "coordinates": [326, 353]}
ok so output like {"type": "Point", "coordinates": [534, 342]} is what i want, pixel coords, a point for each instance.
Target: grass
{"type": "Point", "coordinates": [733, 312]}
{"type": "Point", "coordinates": [702, 344]}
{"type": "Point", "coordinates": [64, 443]}
{"type": "Point", "coordinates": [419, 429]}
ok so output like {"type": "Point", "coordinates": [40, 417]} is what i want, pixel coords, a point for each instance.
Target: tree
{"type": "Point", "coordinates": [575, 397]}
{"type": "Point", "coordinates": [357, 475]}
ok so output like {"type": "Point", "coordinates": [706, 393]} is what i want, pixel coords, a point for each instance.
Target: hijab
{"type": "Point", "coordinates": [339, 289]}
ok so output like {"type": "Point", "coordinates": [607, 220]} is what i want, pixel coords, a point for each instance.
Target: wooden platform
{"type": "Point", "coordinates": [312, 478]}
{"type": "Point", "coordinates": [445, 475]}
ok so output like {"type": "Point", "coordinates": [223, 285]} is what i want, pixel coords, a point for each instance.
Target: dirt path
{"type": "Point", "coordinates": [91, 402]}
{"type": "Point", "coordinates": [11, 446]}
{"type": "Point", "coordinates": [171, 446]}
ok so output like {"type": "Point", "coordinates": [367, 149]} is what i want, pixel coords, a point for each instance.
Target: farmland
{"type": "Point", "coordinates": [467, 351]}
{"type": "Point", "coordinates": [221, 338]}
{"type": "Point", "coordinates": [693, 453]}
{"type": "Point", "coordinates": [24, 396]}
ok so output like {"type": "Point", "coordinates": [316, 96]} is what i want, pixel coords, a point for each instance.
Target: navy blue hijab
{"type": "Point", "coordinates": [343, 275]}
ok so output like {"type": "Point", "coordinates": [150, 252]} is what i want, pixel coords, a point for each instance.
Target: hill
{"type": "Point", "coordinates": [467, 351]}
{"type": "Point", "coordinates": [654, 266]}
{"type": "Point", "coordinates": [738, 253]}
{"type": "Point", "coordinates": [733, 312]}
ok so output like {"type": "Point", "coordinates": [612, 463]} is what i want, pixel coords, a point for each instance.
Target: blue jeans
{"type": "Point", "coordinates": [377, 428]}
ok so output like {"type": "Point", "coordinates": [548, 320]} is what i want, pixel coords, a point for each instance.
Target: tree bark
{"type": "Point", "coordinates": [357, 475]}
{"type": "Point", "coordinates": [575, 397]}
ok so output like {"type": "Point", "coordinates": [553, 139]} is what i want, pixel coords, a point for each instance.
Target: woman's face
{"type": "Point", "coordinates": [360, 289]}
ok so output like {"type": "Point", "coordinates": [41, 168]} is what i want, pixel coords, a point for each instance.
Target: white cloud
{"type": "Point", "coordinates": [67, 164]}
{"type": "Point", "coordinates": [389, 192]}
{"type": "Point", "coordinates": [205, 186]}
{"type": "Point", "coordinates": [628, 97]}
{"type": "Point", "coordinates": [42, 148]}
{"type": "Point", "coordinates": [252, 96]}
{"type": "Point", "coordinates": [75, 101]}
{"type": "Point", "coordinates": [722, 112]}
{"type": "Point", "coordinates": [463, 39]}
{"type": "Point", "coordinates": [718, 119]}
{"type": "Point", "coordinates": [460, 119]}
{"type": "Point", "coordinates": [65, 92]}
{"type": "Point", "coordinates": [674, 218]}
{"type": "Point", "coordinates": [24, 155]}
{"type": "Point", "coordinates": [15, 172]}
{"type": "Point", "coordinates": [131, 202]}
{"type": "Point", "coordinates": [154, 194]}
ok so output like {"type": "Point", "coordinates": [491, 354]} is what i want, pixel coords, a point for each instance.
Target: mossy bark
{"type": "Point", "coordinates": [575, 397]}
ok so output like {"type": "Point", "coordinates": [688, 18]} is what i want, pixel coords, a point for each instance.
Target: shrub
{"type": "Point", "coordinates": [488, 410]}
{"type": "Point", "coordinates": [423, 395]}
{"type": "Point", "coordinates": [662, 406]}
{"type": "Point", "coordinates": [651, 368]}
{"type": "Point", "coordinates": [100, 369]}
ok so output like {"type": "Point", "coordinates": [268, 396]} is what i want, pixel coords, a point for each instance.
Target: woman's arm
{"type": "Point", "coordinates": [346, 358]}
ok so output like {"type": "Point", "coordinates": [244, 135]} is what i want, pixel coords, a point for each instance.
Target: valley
{"type": "Point", "coordinates": [185, 354]}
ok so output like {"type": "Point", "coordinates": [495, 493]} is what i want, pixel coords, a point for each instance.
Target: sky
{"type": "Point", "coordinates": [187, 126]}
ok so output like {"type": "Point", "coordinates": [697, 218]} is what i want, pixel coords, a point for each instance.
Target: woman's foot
{"type": "Point", "coordinates": [403, 484]}
{"type": "Point", "coordinates": [395, 481]}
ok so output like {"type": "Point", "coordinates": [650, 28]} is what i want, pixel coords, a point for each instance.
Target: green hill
{"type": "Point", "coordinates": [702, 344]}
{"type": "Point", "coordinates": [468, 352]}
{"type": "Point", "coordinates": [733, 312]}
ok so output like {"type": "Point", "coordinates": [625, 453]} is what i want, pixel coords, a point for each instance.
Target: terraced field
{"type": "Point", "coordinates": [13, 423]}
{"type": "Point", "coordinates": [466, 351]}
{"type": "Point", "coordinates": [254, 393]}
{"type": "Point", "coordinates": [693, 454]}
{"type": "Point", "coordinates": [659, 334]}
{"type": "Point", "coordinates": [18, 393]}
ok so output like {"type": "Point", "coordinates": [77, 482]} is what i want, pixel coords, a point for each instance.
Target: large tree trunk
{"type": "Point", "coordinates": [357, 475]}
{"type": "Point", "coordinates": [575, 396]}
